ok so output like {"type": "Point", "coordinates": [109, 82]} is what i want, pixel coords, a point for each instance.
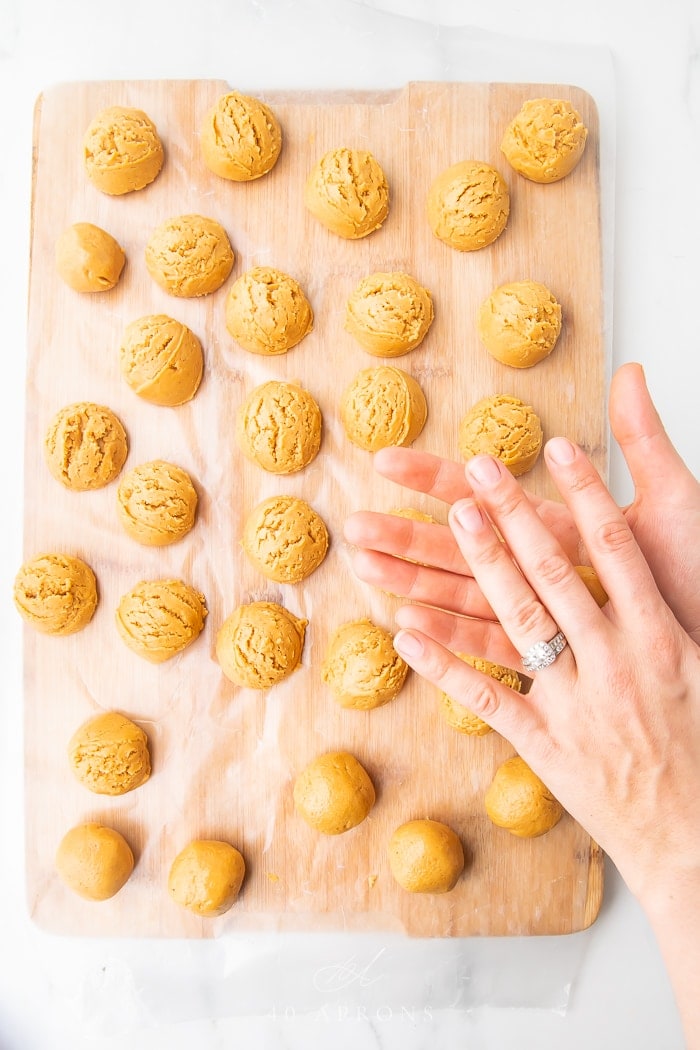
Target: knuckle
{"type": "Point", "coordinates": [508, 503]}
{"type": "Point", "coordinates": [579, 482]}
{"type": "Point", "coordinates": [526, 617]}
{"type": "Point", "coordinates": [614, 537]}
{"type": "Point", "coordinates": [484, 700]}
{"type": "Point", "coordinates": [553, 569]}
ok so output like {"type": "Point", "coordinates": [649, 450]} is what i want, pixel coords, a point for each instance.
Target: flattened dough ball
{"type": "Point", "coordinates": [85, 446]}
{"type": "Point", "coordinates": [240, 138]}
{"type": "Point", "coordinates": [157, 619]}
{"type": "Point", "coordinates": [156, 503]}
{"type": "Point", "coordinates": [94, 861]}
{"type": "Point", "coordinates": [460, 717]}
{"type": "Point", "coordinates": [389, 314]}
{"type": "Point", "coordinates": [518, 801]}
{"type": "Point", "coordinates": [468, 205]}
{"type": "Point", "coordinates": [519, 323]}
{"type": "Point", "coordinates": [361, 667]}
{"type": "Point", "coordinates": [278, 427]}
{"type": "Point", "coordinates": [260, 644]}
{"type": "Point", "coordinates": [426, 856]}
{"type": "Point", "coordinates": [206, 877]}
{"type": "Point", "coordinates": [505, 427]}
{"type": "Point", "coordinates": [267, 312]}
{"type": "Point", "coordinates": [545, 140]}
{"type": "Point", "coordinates": [285, 539]}
{"type": "Point", "coordinates": [161, 360]}
{"type": "Point", "coordinates": [383, 406]}
{"type": "Point", "coordinates": [56, 593]}
{"type": "Point", "coordinates": [347, 191]}
{"type": "Point", "coordinates": [122, 150]}
{"type": "Point", "coordinates": [333, 793]}
{"type": "Point", "coordinates": [109, 754]}
{"type": "Point", "coordinates": [88, 258]}
{"type": "Point", "coordinates": [189, 255]}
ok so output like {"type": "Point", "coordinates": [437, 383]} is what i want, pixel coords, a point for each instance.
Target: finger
{"type": "Point", "coordinates": [421, 541]}
{"type": "Point", "coordinates": [422, 472]}
{"type": "Point", "coordinates": [461, 634]}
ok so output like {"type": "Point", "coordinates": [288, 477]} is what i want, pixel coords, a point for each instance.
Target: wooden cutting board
{"type": "Point", "coordinates": [225, 758]}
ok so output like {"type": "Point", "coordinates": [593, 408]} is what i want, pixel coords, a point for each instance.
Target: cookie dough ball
{"type": "Point", "coordinates": [56, 593]}
{"type": "Point", "coordinates": [157, 503]}
{"type": "Point", "coordinates": [389, 314]}
{"type": "Point", "coordinates": [278, 427]}
{"type": "Point", "coordinates": [519, 323]}
{"type": "Point", "coordinates": [85, 446]}
{"type": "Point", "coordinates": [122, 150]}
{"type": "Point", "coordinates": [285, 539]}
{"type": "Point", "coordinates": [468, 205]}
{"type": "Point", "coordinates": [545, 140]}
{"type": "Point", "coordinates": [361, 667]}
{"type": "Point", "coordinates": [240, 138]}
{"type": "Point", "coordinates": [505, 427]}
{"type": "Point", "coordinates": [592, 582]}
{"type": "Point", "coordinates": [159, 618]}
{"type": "Point", "coordinates": [189, 255]}
{"type": "Point", "coordinates": [206, 877]}
{"type": "Point", "coordinates": [260, 644]}
{"type": "Point", "coordinates": [88, 258]}
{"type": "Point", "coordinates": [333, 793]}
{"type": "Point", "coordinates": [383, 406]}
{"type": "Point", "coordinates": [347, 191]}
{"type": "Point", "coordinates": [460, 717]}
{"type": "Point", "coordinates": [161, 360]}
{"type": "Point", "coordinates": [518, 801]}
{"type": "Point", "coordinates": [94, 861]}
{"type": "Point", "coordinates": [267, 312]}
{"type": "Point", "coordinates": [426, 856]}
{"type": "Point", "coordinates": [109, 754]}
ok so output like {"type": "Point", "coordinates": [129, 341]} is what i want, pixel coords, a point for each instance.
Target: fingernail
{"type": "Point", "coordinates": [408, 645]}
{"type": "Point", "coordinates": [561, 451]}
{"type": "Point", "coordinates": [484, 470]}
{"type": "Point", "coordinates": [469, 516]}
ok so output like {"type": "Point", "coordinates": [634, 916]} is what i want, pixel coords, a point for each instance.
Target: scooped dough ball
{"type": "Point", "coordinates": [109, 754]}
{"type": "Point", "coordinates": [278, 427]}
{"type": "Point", "coordinates": [285, 539]}
{"type": "Point", "coordinates": [468, 205]}
{"type": "Point", "coordinates": [383, 406]}
{"type": "Point", "coordinates": [206, 877]}
{"type": "Point", "coordinates": [361, 667]}
{"type": "Point", "coordinates": [189, 255]}
{"type": "Point", "coordinates": [94, 861]}
{"type": "Point", "coordinates": [545, 140]}
{"type": "Point", "coordinates": [460, 717]}
{"type": "Point", "coordinates": [56, 593]}
{"type": "Point", "coordinates": [122, 150]}
{"type": "Point", "coordinates": [389, 314]}
{"type": "Point", "coordinates": [241, 138]}
{"type": "Point", "coordinates": [347, 191]}
{"type": "Point", "coordinates": [260, 644]}
{"type": "Point", "coordinates": [426, 856]}
{"type": "Point", "coordinates": [519, 323]}
{"type": "Point", "coordinates": [333, 793]}
{"type": "Point", "coordinates": [157, 503]}
{"type": "Point", "coordinates": [88, 258]}
{"type": "Point", "coordinates": [518, 801]}
{"type": "Point", "coordinates": [267, 312]}
{"type": "Point", "coordinates": [161, 360]}
{"type": "Point", "coordinates": [159, 618]}
{"type": "Point", "coordinates": [592, 582]}
{"type": "Point", "coordinates": [505, 427]}
{"type": "Point", "coordinates": [85, 446]}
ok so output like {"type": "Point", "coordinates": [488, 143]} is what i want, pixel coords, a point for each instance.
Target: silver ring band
{"type": "Point", "coordinates": [542, 654]}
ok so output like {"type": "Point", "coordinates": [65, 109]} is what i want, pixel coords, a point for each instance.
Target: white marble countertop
{"type": "Point", "coordinates": [605, 986]}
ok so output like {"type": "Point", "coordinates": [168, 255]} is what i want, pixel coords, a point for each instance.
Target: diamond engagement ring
{"type": "Point", "coordinates": [542, 654]}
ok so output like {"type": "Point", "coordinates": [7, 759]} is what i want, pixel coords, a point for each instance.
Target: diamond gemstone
{"type": "Point", "coordinates": [539, 656]}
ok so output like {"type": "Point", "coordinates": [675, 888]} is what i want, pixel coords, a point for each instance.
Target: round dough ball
{"type": "Point", "coordinates": [122, 150]}
{"type": "Point", "coordinates": [361, 667]}
{"type": "Point", "coordinates": [157, 503]}
{"type": "Point", "coordinates": [161, 360]}
{"type": "Point", "coordinates": [460, 717]}
{"type": "Point", "coordinates": [206, 876]}
{"type": "Point", "coordinates": [468, 205]}
{"type": "Point", "coordinates": [426, 856]}
{"type": "Point", "coordinates": [240, 138]}
{"type": "Point", "coordinates": [595, 587]}
{"type": "Point", "coordinates": [278, 427]}
{"type": "Point", "coordinates": [347, 191]}
{"type": "Point", "coordinates": [383, 406]}
{"type": "Point", "coordinates": [267, 312]}
{"type": "Point", "coordinates": [109, 754]}
{"type": "Point", "coordinates": [85, 446]}
{"type": "Point", "coordinates": [545, 140]}
{"type": "Point", "coordinates": [519, 323]}
{"type": "Point", "coordinates": [285, 539]}
{"type": "Point", "coordinates": [88, 258]}
{"type": "Point", "coordinates": [333, 793]}
{"type": "Point", "coordinates": [159, 618]}
{"type": "Point", "coordinates": [518, 801]}
{"type": "Point", "coordinates": [389, 314]}
{"type": "Point", "coordinates": [94, 861]}
{"type": "Point", "coordinates": [189, 255]}
{"type": "Point", "coordinates": [260, 644]}
{"type": "Point", "coordinates": [505, 427]}
{"type": "Point", "coordinates": [55, 593]}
